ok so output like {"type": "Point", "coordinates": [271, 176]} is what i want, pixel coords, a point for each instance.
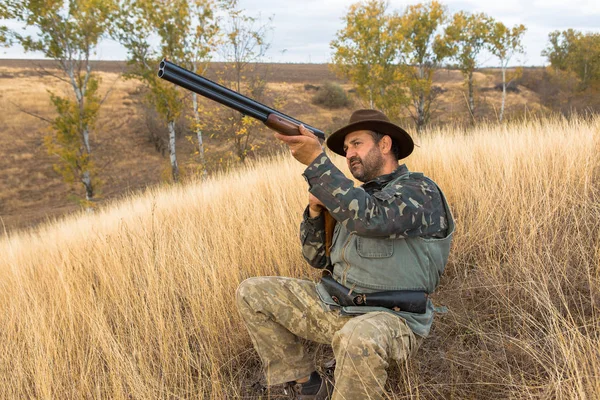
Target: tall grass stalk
{"type": "Point", "coordinates": [136, 301]}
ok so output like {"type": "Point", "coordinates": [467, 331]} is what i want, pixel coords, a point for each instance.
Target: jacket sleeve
{"type": "Point", "coordinates": [312, 237]}
{"type": "Point", "coordinates": [404, 208]}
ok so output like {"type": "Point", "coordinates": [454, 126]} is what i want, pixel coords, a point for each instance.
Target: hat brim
{"type": "Point", "coordinates": [335, 141]}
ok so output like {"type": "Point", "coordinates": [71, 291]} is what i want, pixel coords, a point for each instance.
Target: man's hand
{"type": "Point", "coordinates": [305, 148]}
{"type": "Point", "coordinates": [314, 206]}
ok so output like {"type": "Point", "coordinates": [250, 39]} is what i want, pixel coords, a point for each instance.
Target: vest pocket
{"type": "Point", "coordinates": [374, 247]}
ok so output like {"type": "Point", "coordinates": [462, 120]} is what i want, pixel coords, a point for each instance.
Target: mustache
{"type": "Point", "coordinates": [353, 159]}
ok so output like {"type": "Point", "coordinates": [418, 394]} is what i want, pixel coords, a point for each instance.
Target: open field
{"type": "Point", "coordinates": [291, 73]}
{"type": "Point", "coordinates": [136, 301]}
{"type": "Point", "coordinates": [32, 192]}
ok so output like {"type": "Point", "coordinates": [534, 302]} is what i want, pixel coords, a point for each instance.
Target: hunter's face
{"type": "Point", "coordinates": [363, 156]}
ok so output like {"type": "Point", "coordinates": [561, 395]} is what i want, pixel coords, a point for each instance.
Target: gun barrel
{"type": "Point", "coordinates": [227, 97]}
{"type": "Point", "coordinates": [203, 87]}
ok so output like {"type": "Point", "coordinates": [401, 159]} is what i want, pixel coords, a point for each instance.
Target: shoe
{"type": "Point", "coordinates": [325, 391]}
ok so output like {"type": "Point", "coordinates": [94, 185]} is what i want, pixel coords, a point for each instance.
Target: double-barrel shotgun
{"type": "Point", "coordinates": [274, 119]}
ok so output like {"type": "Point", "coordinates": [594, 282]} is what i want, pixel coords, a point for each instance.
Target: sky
{"type": "Point", "coordinates": [303, 29]}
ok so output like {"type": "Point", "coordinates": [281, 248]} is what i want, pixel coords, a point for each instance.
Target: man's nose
{"type": "Point", "coordinates": [349, 154]}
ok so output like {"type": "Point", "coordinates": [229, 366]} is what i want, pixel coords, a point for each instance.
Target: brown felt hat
{"type": "Point", "coordinates": [371, 120]}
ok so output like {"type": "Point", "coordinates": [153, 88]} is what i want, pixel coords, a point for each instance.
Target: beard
{"type": "Point", "coordinates": [369, 167]}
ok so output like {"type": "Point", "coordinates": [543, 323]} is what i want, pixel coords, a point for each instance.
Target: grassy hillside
{"type": "Point", "coordinates": [124, 151]}
{"type": "Point", "coordinates": [137, 300]}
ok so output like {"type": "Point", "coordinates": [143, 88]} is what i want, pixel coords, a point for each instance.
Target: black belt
{"type": "Point", "coordinates": [413, 301]}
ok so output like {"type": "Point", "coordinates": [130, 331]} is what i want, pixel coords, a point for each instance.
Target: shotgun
{"type": "Point", "coordinates": [274, 119]}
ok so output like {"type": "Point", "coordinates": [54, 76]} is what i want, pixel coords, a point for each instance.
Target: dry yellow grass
{"type": "Point", "coordinates": [136, 301]}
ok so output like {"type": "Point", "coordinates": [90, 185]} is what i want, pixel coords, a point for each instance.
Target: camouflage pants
{"type": "Point", "coordinates": [278, 311]}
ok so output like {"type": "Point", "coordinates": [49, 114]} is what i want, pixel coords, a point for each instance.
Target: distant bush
{"type": "Point", "coordinates": [511, 87]}
{"type": "Point", "coordinates": [437, 90]}
{"type": "Point", "coordinates": [331, 95]}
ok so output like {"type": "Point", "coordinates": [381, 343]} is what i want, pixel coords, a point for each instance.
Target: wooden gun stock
{"type": "Point", "coordinates": [282, 125]}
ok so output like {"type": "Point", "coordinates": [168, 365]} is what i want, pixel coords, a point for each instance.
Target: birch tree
{"type": "Point", "coordinates": [69, 33]}
{"type": "Point", "coordinates": [244, 43]}
{"type": "Point", "coordinates": [204, 42]}
{"type": "Point", "coordinates": [505, 43]}
{"type": "Point", "coordinates": [467, 35]}
{"type": "Point", "coordinates": [366, 53]}
{"type": "Point", "coordinates": [422, 51]}
{"type": "Point", "coordinates": [183, 31]}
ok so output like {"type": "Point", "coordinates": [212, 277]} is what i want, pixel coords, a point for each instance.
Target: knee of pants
{"type": "Point", "coordinates": [245, 288]}
{"type": "Point", "coordinates": [253, 292]}
{"type": "Point", "coordinates": [360, 337]}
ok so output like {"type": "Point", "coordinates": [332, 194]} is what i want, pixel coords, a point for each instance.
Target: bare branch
{"type": "Point", "coordinates": [30, 113]}
{"type": "Point", "coordinates": [42, 71]}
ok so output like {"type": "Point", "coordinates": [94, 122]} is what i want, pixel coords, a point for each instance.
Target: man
{"type": "Point", "coordinates": [392, 234]}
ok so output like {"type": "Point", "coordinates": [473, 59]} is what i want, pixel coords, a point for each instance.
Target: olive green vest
{"type": "Point", "coordinates": [371, 264]}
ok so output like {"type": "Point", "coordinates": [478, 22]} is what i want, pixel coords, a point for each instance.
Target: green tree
{"type": "Point", "coordinates": [422, 51]}
{"type": "Point", "coordinates": [575, 52]}
{"type": "Point", "coordinates": [561, 46]}
{"type": "Point", "coordinates": [204, 43]}
{"type": "Point", "coordinates": [505, 43]}
{"type": "Point", "coordinates": [185, 31]}
{"type": "Point", "coordinates": [467, 35]}
{"type": "Point", "coordinates": [5, 13]}
{"type": "Point", "coordinates": [588, 62]}
{"type": "Point", "coordinates": [4, 40]}
{"type": "Point", "coordinates": [69, 33]}
{"type": "Point", "coordinates": [366, 53]}
{"type": "Point", "coordinates": [244, 43]}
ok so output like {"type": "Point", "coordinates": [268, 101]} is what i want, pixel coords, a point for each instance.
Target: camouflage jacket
{"type": "Point", "coordinates": [417, 209]}
{"type": "Point", "coordinates": [393, 233]}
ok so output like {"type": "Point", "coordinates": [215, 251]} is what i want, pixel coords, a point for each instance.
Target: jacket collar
{"type": "Point", "coordinates": [382, 180]}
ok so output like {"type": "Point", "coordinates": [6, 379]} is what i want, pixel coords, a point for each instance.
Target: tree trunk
{"type": "Point", "coordinates": [86, 141]}
{"type": "Point", "coordinates": [173, 156]}
{"type": "Point", "coordinates": [503, 93]}
{"type": "Point", "coordinates": [421, 117]}
{"type": "Point", "coordinates": [421, 112]}
{"type": "Point", "coordinates": [241, 149]}
{"type": "Point", "coordinates": [86, 179]}
{"type": "Point", "coordinates": [199, 134]}
{"type": "Point", "coordinates": [86, 176]}
{"type": "Point", "coordinates": [471, 95]}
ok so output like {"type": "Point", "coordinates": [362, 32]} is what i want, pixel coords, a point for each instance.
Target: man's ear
{"type": "Point", "coordinates": [385, 144]}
